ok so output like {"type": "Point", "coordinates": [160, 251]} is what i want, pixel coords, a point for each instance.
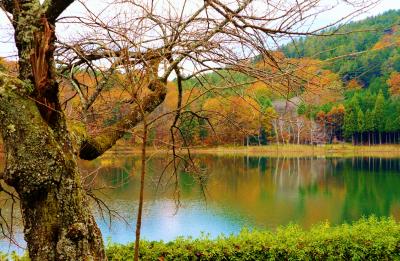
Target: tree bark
{"type": "Point", "coordinates": [141, 194]}
{"type": "Point", "coordinates": [41, 166]}
{"type": "Point", "coordinates": [369, 138]}
{"type": "Point", "coordinates": [41, 161]}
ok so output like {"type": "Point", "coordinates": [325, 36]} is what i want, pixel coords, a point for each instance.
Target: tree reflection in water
{"type": "Point", "coordinates": [239, 191]}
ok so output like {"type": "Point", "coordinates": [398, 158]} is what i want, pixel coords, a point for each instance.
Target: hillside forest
{"type": "Point", "coordinates": [341, 88]}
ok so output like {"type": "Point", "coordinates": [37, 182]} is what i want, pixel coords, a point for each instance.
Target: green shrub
{"type": "Point", "coordinates": [366, 239]}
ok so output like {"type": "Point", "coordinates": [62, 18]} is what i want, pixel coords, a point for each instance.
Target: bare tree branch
{"type": "Point", "coordinates": [7, 5]}
{"type": "Point", "coordinates": [92, 147]}
{"type": "Point", "coordinates": [54, 8]}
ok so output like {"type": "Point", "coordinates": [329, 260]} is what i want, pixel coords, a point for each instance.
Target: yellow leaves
{"type": "Point", "coordinates": [85, 78]}
{"type": "Point", "coordinates": [268, 117]}
{"type": "Point", "coordinates": [241, 112]}
{"type": "Point", "coordinates": [306, 67]}
{"type": "Point", "coordinates": [171, 100]}
{"type": "Point", "coordinates": [246, 110]}
{"type": "Point", "coordinates": [272, 90]}
{"type": "Point", "coordinates": [215, 105]}
{"type": "Point", "coordinates": [271, 113]}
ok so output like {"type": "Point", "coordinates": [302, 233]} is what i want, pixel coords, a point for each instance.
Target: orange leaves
{"type": "Point", "coordinates": [233, 116]}
{"type": "Point", "coordinates": [246, 111]}
{"type": "Point", "coordinates": [394, 83]}
{"type": "Point", "coordinates": [391, 39]}
{"type": "Point", "coordinates": [304, 77]}
{"type": "Point", "coordinates": [336, 114]}
{"type": "Point", "coordinates": [333, 120]}
{"type": "Point", "coordinates": [321, 86]}
{"type": "Point", "coordinates": [340, 109]}
{"type": "Point", "coordinates": [306, 67]}
{"type": "Point", "coordinates": [171, 100]}
{"type": "Point", "coordinates": [260, 88]}
{"type": "Point", "coordinates": [216, 105]}
{"type": "Point", "coordinates": [320, 117]}
{"type": "Point", "coordinates": [354, 85]}
{"type": "Point", "coordinates": [189, 97]}
{"type": "Point", "coordinates": [269, 62]}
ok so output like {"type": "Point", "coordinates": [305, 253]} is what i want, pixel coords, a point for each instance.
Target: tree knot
{"type": "Point", "coordinates": [77, 231]}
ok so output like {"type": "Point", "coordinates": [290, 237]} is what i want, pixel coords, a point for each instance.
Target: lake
{"type": "Point", "coordinates": [228, 193]}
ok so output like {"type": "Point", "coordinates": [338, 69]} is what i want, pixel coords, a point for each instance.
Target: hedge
{"type": "Point", "coordinates": [367, 239]}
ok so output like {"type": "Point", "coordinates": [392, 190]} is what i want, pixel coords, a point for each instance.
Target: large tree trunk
{"type": "Point", "coordinates": [41, 166]}
{"type": "Point", "coordinates": [40, 159]}
{"type": "Point", "coordinates": [40, 154]}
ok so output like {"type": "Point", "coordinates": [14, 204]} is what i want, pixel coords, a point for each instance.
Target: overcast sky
{"type": "Point", "coordinates": [7, 48]}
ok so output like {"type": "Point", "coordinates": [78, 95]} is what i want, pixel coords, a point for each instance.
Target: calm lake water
{"type": "Point", "coordinates": [232, 192]}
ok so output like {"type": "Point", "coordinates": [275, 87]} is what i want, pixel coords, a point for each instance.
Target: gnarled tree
{"type": "Point", "coordinates": [144, 43]}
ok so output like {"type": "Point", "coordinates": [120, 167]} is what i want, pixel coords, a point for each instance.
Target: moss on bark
{"type": "Point", "coordinates": [41, 166]}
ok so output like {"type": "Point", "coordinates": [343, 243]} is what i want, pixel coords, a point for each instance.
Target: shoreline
{"type": "Point", "coordinates": [274, 150]}
{"type": "Point", "coordinates": [287, 150]}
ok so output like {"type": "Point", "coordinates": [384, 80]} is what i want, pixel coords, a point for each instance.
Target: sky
{"type": "Point", "coordinates": [7, 47]}
{"type": "Point", "coordinates": [383, 6]}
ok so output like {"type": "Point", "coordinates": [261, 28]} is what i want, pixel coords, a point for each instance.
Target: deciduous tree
{"type": "Point", "coordinates": [145, 43]}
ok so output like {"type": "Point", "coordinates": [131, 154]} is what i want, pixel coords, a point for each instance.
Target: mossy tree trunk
{"type": "Point", "coordinates": [41, 166]}
{"type": "Point", "coordinates": [40, 161]}
{"type": "Point", "coordinates": [41, 158]}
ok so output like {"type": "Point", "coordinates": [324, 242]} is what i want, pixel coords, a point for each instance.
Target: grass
{"type": "Point", "coordinates": [287, 150]}
{"type": "Point", "coordinates": [274, 150]}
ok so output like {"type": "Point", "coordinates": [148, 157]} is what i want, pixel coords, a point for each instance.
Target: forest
{"type": "Point", "coordinates": [341, 88]}
{"type": "Point", "coordinates": [344, 88]}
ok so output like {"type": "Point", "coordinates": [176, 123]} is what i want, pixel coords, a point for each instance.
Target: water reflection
{"type": "Point", "coordinates": [242, 191]}
{"type": "Point", "coordinates": [261, 192]}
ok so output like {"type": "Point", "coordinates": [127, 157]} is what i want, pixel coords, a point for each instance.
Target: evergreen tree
{"type": "Point", "coordinates": [360, 124]}
{"type": "Point", "coordinates": [350, 119]}
{"type": "Point", "coordinates": [369, 124]}
{"type": "Point", "coordinates": [379, 115]}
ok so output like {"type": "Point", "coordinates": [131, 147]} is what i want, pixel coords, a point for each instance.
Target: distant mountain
{"type": "Point", "coordinates": [364, 50]}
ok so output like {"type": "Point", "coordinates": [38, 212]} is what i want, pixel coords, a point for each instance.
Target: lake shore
{"type": "Point", "coordinates": [274, 150]}
{"type": "Point", "coordinates": [286, 150]}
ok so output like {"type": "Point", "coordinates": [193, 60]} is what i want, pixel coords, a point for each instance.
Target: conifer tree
{"type": "Point", "coordinates": [350, 119]}
{"type": "Point", "coordinates": [379, 115]}
{"type": "Point", "coordinates": [360, 124]}
{"type": "Point", "coordinates": [369, 124]}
